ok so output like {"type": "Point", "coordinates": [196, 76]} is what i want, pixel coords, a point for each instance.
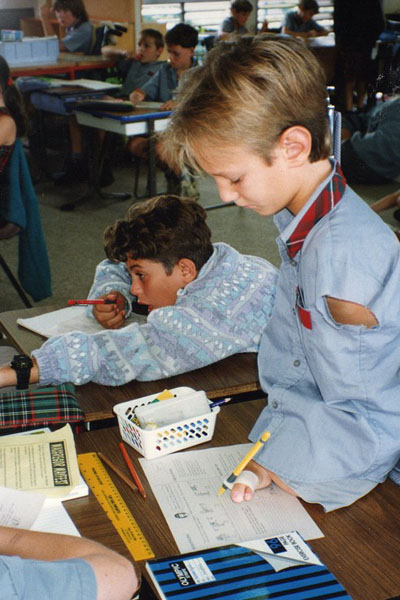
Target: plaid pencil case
{"type": "Point", "coordinates": [40, 407]}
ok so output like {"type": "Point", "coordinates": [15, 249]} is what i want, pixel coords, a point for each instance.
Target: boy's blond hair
{"type": "Point", "coordinates": [249, 92]}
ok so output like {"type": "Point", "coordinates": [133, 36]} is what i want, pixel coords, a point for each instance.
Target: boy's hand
{"type": "Point", "coordinates": [169, 105]}
{"type": "Point", "coordinates": [110, 316]}
{"type": "Point", "coordinates": [137, 96]}
{"type": "Point", "coordinates": [244, 492]}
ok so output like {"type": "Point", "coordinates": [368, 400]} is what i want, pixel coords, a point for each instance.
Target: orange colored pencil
{"type": "Point", "coordinates": [132, 470]}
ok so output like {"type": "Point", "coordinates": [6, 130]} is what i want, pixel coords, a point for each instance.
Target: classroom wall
{"type": "Point", "coordinates": [10, 16]}
{"type": "Point", "coordinates": [16, 4]}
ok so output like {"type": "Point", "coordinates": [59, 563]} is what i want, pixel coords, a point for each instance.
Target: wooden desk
{"type": "Point", "coordinates": [64, 66]}
{"type": "Point", "coordinates": [232, 376]}
{"type": "Point", "coordinates": [361, 544]}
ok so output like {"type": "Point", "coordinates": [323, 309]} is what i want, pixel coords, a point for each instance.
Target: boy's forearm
{"type": "Point", "coordinates": [37, 545]}
{"type": "Point", "coordinates": [8, 376]}
{"type": "Point", "coordinates": [115, 575]}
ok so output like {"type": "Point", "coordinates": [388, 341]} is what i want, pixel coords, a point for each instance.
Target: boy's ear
{"type": "Point", "coordinates": [188, 269]}
{"type": "Point", "coordinates": [296, 143]}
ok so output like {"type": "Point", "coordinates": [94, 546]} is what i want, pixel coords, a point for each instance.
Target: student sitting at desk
{"type": "Point", "coordinates": [43, 566]}
{"type": "Point", "coordinates": [300, 23]}
{"type": "Point", "coordinates": [72, 15]}
{"type": "Point", "coordinates": [207, 302]}
{"type": "Point", "coordinates": [236, 23]}
{"type": "Point", "coordinates": [254, 117]}
{"type": "Point", "coordinates": [12, 124]}
{"type": "Point", "coordinates": [137, 70]}
{"type": "Point", "coordinates": [181, 41]}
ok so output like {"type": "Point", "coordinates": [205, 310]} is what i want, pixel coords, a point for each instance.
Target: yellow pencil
{"type": "Point", "coordinates": [243, 463]}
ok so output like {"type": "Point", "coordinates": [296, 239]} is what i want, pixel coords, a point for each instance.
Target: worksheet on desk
{"type": "Point", "coordinates": [186, 487]}
{"type": "Point", "coordinates": [65, 320]}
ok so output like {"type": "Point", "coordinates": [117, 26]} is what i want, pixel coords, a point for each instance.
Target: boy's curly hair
{"type": "Point", "coordinates": [163, 229]}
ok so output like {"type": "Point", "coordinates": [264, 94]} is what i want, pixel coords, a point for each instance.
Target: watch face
{"type": "Point", "coordinates": [21, 361]}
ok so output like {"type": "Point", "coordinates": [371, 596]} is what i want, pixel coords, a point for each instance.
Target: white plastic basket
{"type": "Point", "coordinates": [167, 439]}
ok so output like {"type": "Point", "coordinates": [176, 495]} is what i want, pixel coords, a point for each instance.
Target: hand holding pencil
{"type": "Point", "coordinates": [111, 314]}
{"type": "Point", "coordinates": [244, 462]}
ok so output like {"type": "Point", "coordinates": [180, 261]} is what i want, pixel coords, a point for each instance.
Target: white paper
{"type": "Point", "coordinates": [90, 84]}
{"type": "Point", "coordinates": [186, 487]}
{"type": "Point", "coordinates": [53, 518]}
{"type": "Point", "coordinates": [65, 320]}
{"type": "Point", "coordinates": [292, 550]}
{"type": "Point", "coordinates": [149, 104]}
{"type": "Point", "coordinates": [28, 510]}
{"type": "Point", "coordinates": [18, 508]}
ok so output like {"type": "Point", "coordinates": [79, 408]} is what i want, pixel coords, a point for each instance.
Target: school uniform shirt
{"type": "Point", "coordinates": [23, 579]}
{"type": "Point", "coordinates": [136, 74]}
{"type": "Point", "coordinates": [333, 390]}
{"type": "Point", "coordinates": [222, 312]}
{"type": "Point", "coordinates": [162, 86]}
{"type": "Point", "coordinates": [293, 22]}
{"type": "Point", "coordinates": [229, 26]}
{"type": "Point", "coordinates": [79, 37]}
{"type": "Point", "coordinates": [377, 143]}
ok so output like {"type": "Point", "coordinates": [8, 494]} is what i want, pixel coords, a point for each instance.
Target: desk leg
{"type": "Point", "coordinates": [96, 158]}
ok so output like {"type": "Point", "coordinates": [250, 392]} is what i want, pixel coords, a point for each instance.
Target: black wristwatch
{"type": "Point", "coordinates": [22, 365]}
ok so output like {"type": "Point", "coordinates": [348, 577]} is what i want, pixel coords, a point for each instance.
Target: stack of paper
{"type": "Point", "coordinates": [38, 471]}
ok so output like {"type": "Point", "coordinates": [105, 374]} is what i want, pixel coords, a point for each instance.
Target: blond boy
{"type": "Point", "coordinates": [254, 117]}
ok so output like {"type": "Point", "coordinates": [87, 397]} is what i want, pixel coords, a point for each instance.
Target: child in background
{"type": "Point", "coordinates": [255, 118]}
{"type": "Point", "coordinates": [12, 125]}
{"type": "Point", "coordinates": [300, 23]}
{"type": "Point", "coordinates": [138, 69]}
{"type": "Point", "coordinates": [72, 15]}
{"type": "Point", "coordinates": [236, 23]}
{"type": "Point", "coordinates": [181, 41]}
{"type": "Point", "coordinates": [206, 302]}
{"type": "Point", "coordinates": [12, 116]}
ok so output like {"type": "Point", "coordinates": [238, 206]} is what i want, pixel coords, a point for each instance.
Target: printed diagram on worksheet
{"type": "Point", "coordinates": [186, 485]}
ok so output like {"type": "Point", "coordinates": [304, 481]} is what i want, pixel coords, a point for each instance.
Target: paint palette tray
{"type": "Point", "coordinates": [169, 438]}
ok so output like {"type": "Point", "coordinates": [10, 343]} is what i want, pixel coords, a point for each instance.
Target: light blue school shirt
{"type": "Point", "coordinates": [23, 579]}
{"type": "Point", "coordinates": [333, 391]}
{"type": "Point", "coordinates": [162, 85]}
{"type": "Point", "coordinates": [136, 74]}
{"type": "Point", "coordinates": [229, 26]}
{"type": "Point", "coordinates": [379, 147]}
{"type": "Point", "coordinates": [293, 22]}
{"type": "Point", "coordinates": [79, 38]}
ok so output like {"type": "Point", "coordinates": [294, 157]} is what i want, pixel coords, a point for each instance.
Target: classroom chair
{"type": "Point", "coordinates": [104, 34]}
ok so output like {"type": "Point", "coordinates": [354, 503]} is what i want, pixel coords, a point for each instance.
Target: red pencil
{"type": "Point", "coordinates": [98, 301]}
{"type": "Point", "coordinates": [132, 470]}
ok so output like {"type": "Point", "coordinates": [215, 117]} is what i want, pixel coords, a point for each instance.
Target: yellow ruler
{"type": "Point", "coordinates": [110, 499]}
